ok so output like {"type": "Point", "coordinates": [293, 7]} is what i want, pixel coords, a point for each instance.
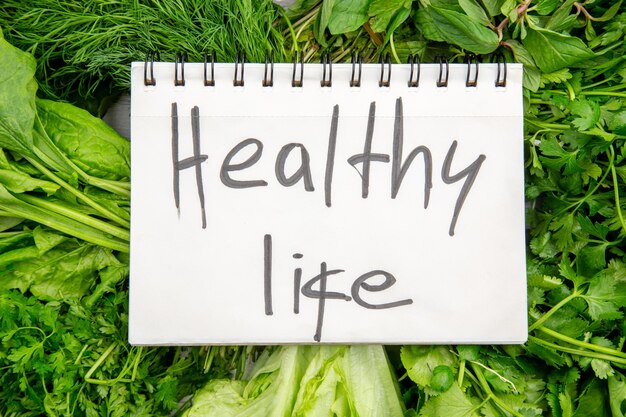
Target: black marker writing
{"type": "Point", "coordinates": [195, 161]}
{"type": "Point", "coordinates": [367, 156]}
{"type": "Point", "coordinates": [297, 278]}
{"type": "Point", "coordinates": [360, 282]}
{"type": "Point", "coordinates": [322, 295]}
{"type": "Point", "coordinates": [398, 168]}
{"type": "Point", "coordinates": [330, 156]}
{"type": "Point", "coordinates": [253, 159]}
{"type": "Point", "coordinates": [267, 274]}
{"type": "Point", "coordinates": [469, 173]}
{"type": "Point", "coordinates": [304, 172]}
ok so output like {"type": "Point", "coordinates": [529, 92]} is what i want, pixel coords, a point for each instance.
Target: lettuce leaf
{"type": "Point", "coordinates": [311, 381]}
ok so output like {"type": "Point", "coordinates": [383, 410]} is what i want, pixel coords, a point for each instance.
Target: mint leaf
{"type": "Point", "coordinates": [457, 28]}
{"type": "Point", "coordinates": [553, 51]}
{"type": "Point", "coordinates": [475, 11]}
{"type": "Point", "coordinates": [493, 6]}
{"type": "Point", "coordinates": [347, 16]}
{"type": "Point", "coordinates": [384, 11]}
{"type": "Point", "coordinates": [545, 7]}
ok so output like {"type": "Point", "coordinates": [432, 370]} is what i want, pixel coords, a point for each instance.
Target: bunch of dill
{"type": "Point", "coordinates": [84, 48]}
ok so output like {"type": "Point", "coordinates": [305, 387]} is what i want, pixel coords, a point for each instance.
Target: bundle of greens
{"type": "Point", "coordinates": [64, 216]}
{"type": "Point", "coordinates": [306, 381]}
{"type": "Point", "coordinates": [64, 213]}
{"type": "Point", "coordinates": [84, 48]}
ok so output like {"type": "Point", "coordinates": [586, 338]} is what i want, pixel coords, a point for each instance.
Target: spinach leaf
{"type": "Point", "coordinates": [18, 182]}
{"type": "Point", "coordinates": [17, 98]}
{"type": "Point", "coordinates": [553, 51]}
{"type": "Point", "coordinates": [87, 141]}
{"type": "Point", "coordinates": [19, 208]}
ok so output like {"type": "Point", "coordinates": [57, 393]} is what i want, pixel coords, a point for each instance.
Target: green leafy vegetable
{"type": "Point", "coordinates": [553, 51]}
{"type": "Point", "coordinates": [346, 16]}
{"type": "Point", "coordinates": [456, 27]}
{"type": "Point", "coordinates": [306, 381]}
{"type": "Point", "coordinates": [64, 213]}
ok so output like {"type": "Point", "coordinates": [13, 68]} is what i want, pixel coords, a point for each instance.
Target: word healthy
{"type": "Point", "coordinates": [399, 165]}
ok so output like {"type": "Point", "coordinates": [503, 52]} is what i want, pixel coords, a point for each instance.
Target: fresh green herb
{"type": "Point", "coordinates": [64, 213]}
{"type": "Point", "coordinates": [84, 49]}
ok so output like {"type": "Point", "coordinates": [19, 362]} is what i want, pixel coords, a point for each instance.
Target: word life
{"type": "Point", "coordinates": [321, 294]}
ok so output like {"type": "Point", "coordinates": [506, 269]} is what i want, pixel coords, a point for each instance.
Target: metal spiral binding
{"type": "Point", "coordinates": [386, 60]}
{"type": "Point", "coordinates": [297, 82]}
{"type": "Point", "coordinates": [179, 74]}
{"type": "Point", "coordinates": [241, 59]}
{"type": "Point", "coordinates": [150, 57]}
{"type": "Point", "coordinates": [442, 81]}
{"type": "Point", "coordinates": [209, 82]}
{"type": "Point", "coordinates": [327, 62]}
{"type": "Point", "coordinates": [412, 61]}
{"type": "Point", "coordinates": [269, 82]}
{"type": "Point", "coordinates": [356, 60]}
{"type": "Point", "coordinates": [469, 81]}
{"type": "Point", "coordinates": [472, 62]}
{"type": "Point", "coordinates": [501, 75]}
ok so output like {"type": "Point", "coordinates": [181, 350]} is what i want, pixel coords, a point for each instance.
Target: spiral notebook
{"type": "Point", "coordinates": [327, 203]}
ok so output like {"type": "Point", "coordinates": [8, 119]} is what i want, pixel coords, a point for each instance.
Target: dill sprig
{"type": "Point", "coordinates": [84, 48]}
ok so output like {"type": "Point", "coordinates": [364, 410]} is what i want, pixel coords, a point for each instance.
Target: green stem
{"type": "Point", "coordinates": [461, 372]}
{"type": "Point", "coordinates": [539, 101]}
{"type": "Point", "coordinates": [303, 20]}
{"type": "Point", "coordinates": [393, 49]}
{"type": "Point", "coordinates": [570, 91]}
{"type": "Point", "coordinates": [99, 208]}
{"type": "Point", "coordinates": [618, 207]}
{"type": "Point", "coordinates": [80, 217]}
{"type": "Point", "coordinates": [606, 80]}
{"type": "Point", "coordinates": [485, 385]}
{"type": "Point", "coordinates": [291, 30]}
{"type": "Point", "coordinates": [604, 93]}
{"type": "Point", "coordinates": [547, 126]}
{"type": "Point", "coordinates": [99, 362]}
{"type": "Point", "coordinates": [553, 310]}
{"type": "Point", "coordinates": [585, 345]}
{"type": "Point", "coordinates": [64, 224]}
{"type": "Point", "coordinates": [80, 354]}
{"type": "Point", "coordinates": [578, 352]}
{"type": "Point", "coordinates": [133, 376]}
